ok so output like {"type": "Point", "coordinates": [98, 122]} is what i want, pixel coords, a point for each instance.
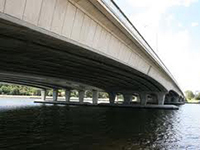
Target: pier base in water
{"type": "Point", "coordinates": [136, 106]}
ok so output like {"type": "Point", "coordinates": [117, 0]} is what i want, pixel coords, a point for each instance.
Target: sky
{"type": "Point", "coordinates": [172, 28]}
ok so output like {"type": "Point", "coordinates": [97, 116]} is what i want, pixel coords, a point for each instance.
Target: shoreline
{"type": "Point", "coordinates": [192, 102]}
{"type": "Point", "coordinates": [17, 96]}
{"type": "Point", "coordinates": [24, 96]}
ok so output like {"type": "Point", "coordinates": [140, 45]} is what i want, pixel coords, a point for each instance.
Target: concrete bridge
{"type": "Point", "coordinates": [83, 45]}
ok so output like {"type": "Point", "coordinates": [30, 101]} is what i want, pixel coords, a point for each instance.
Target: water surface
{"type": "Point", "coordinates": [24, 125]}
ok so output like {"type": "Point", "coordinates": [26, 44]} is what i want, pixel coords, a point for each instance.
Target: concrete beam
{"type": "Point", "coordinates": [43, 94]}
{"type": "Point", "coordinates": [81, 96]}
{"type": "Point", "coordinates": [168, 99]}
{"type": "Point", "coordinates": [95, 96]}
{"type": "Point", "coordinates": [67, 95]}
{"type": "Point", "coordinates": [55, 94]}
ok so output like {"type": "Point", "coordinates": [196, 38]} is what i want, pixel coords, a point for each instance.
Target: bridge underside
{"type": "Point", "coordinates": [43, 59]}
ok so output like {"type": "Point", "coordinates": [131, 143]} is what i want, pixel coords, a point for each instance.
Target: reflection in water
{"type": "Point", "coordinates": [93, 128]}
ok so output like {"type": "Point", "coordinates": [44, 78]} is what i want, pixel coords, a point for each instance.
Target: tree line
{"type": "Point", "coordinates": [190, 95]}
{"type": "Point", "coordinates": [8, 89]}
{"type": "Point", "coordinates": [18, 90]}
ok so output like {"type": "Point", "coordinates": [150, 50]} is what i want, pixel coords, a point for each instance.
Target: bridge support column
{"type": "Point", "coordinates": [67, 95]}
{"type": "Point", "coordinates": [43, 94]}
{"type": "Point", "coordinates": [161, 98]}
{"type": "Point", "coordinates": [127, 98]}
{"type": "Point", "coordinates": [138, 98]}
{"type": "Point", "coordinates": [95, 95]}
{"type": "Point", "coordinates": [143, 98]}
{"type": "Point", "coordinates": [55, 94]}
{"type": "Point", "coordinates": [154, 98]}
{"type": "Point", "coordinates": [167, 99]}
{"type": "Point", "coordinates": [177, 99]}
{"type": "Point", "coordinates": [112, 97]}
{"type": "Point", "coordinates": [81, 96]}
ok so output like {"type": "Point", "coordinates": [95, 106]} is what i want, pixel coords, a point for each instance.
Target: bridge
{"type": "Point", "coordinates": [82, 45]}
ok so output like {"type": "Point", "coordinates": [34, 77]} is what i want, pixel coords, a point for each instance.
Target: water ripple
{"type": "Point", "coordinates": [90, 128]}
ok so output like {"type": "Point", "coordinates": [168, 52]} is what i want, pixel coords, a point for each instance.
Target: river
{"type": "Point", "coordinates": [25, 125]}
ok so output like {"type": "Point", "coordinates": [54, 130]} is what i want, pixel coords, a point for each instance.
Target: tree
{"type": "Point", "coordinates": [189, 94]}
{"type": "Point", "coordinates": [197, 96]}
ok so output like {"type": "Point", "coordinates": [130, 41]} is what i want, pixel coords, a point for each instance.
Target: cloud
{"type": "Point", "coordinates": [174, 46]}
{"type": "Point", "coordinates": [175, 51]}
{"type": "Point", "coordinates": [161, 3]}
{"type": "Point", "coordinates": [194, 24]}
{"type": "Point", "coordinates": [180, 25]}
{"type": "Point", "coordinates": [149, 12]}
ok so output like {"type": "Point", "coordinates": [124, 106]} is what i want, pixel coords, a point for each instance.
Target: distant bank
{"type": "Point", "coordinates": [193, 101]}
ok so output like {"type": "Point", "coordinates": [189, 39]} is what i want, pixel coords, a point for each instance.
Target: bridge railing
{"type": "Point", "coordinates": [124, 20]}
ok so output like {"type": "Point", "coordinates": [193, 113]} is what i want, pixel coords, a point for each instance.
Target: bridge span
{"type": "Point", "coordinates": [83, 45]}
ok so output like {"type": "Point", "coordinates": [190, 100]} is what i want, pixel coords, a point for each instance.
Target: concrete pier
{"type": "Point", "coordinates": [95, 96]}
{"type": "Point", "coordinates": [55, 94]}
{"type": "Point", "coordinates": [167, 107]}
{"type": "Point", "coordinates": [176, 99]}
{"type": "Point", "coordinates": [81, 96]}
{"type": "Point", "coordinates": [67, 95]}
{"type": "Point", "coordinates": [112, 97]}
{"type": "Point", "coordinates": [43, 94]}
{"type": "Point", "coordinates": [161, 98]}
{"type": "Point", "coordinates": [127, 98]}
{"type": "Point", "coordinates": [143, 98]}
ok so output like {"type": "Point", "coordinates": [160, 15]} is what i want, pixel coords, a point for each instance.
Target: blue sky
{"type": "Point", "coordinates": [172, 27]}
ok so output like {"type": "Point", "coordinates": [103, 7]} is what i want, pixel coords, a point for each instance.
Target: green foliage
{"type": "Point", "coordinates": [197, 96]}
{"type": "Point", "coordinates": [88, 94]}
{"type": "Point", "coordinates": [74, 93]}
{"type": "Point", "coordinates": [18, 90]}
{"type": "Point", "coordinates": [103, 95]}
{"type": "Point", "coordinates": [189, 94]}
{"type": "Point", "coordinates": [8, 89]}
